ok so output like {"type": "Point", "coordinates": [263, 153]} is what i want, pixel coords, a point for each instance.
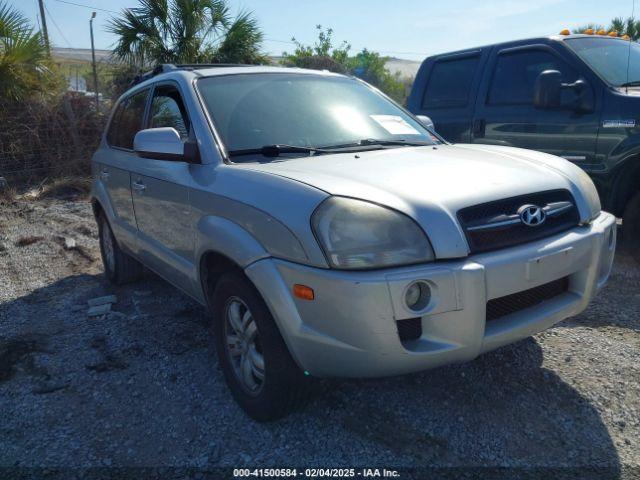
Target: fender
{"type": "Point", "coordinates": [223, 236]}
{"type": "Point", "coordinates": [99, 195]}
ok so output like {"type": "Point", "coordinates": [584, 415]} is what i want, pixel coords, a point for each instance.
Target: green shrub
{"type": "Point", "coordinates": [367, 65]}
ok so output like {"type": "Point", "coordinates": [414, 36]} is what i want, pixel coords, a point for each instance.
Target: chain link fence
{"type": "Point", "coordinates": [41, 139]}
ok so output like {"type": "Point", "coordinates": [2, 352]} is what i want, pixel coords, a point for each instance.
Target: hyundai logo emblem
{"type": "Point", "coordinates": [532, 215]}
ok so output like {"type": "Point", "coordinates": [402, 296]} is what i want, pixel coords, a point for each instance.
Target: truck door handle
{"type": "Point", "coordinates": [139, 186]}
{"type": "Point", "coordinates": [104, 175]}
{"type": "Point", "coordinates": [479, 125]}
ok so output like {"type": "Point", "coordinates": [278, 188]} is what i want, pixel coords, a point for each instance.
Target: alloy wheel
{"type": "Point", "coordinates": [243, 345]}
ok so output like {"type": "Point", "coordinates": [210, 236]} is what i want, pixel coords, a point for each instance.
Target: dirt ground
{"type": "Point", "coordinates": [140, 388]}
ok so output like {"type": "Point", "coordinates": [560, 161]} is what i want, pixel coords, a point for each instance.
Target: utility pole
{"type": "Point", "coordinates": [44, 27]}
{"type": "Point", "coordinates": [93, 60]}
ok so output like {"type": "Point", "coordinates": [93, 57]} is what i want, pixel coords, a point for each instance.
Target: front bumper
{"type": "Point", "coordinates": [350, 330]}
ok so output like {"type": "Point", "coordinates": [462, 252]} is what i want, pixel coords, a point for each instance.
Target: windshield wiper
{"type": "Point", "coordinates": [275, 150]}
{"type": "Point", "coordinates": [369, 142]}
{"type": "Point", "coordinates": [412, 143]}
{"type": "Point", "coordinates": [635, 83]}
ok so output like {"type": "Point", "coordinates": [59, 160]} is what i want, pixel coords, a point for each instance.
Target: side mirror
{"type": "Point", "coordinates": [426, 122]}
{"type": "Point", "coordinates": [160, 144]}
{"type": "Point", "coordinates": [547, 89]}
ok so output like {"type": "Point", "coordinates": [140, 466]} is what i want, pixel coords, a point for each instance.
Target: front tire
{"type": "Point", "coordinates": [119, 267]}
{"type": "Point", "coordinates": [631, 227]}
{"type": "Point", "coordinates": [257, 366]}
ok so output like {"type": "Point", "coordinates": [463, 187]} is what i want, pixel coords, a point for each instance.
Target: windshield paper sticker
{"type": "Point", "coordinates": [395, 125]}
{"type": "Point", "coordinates": [618, 123]}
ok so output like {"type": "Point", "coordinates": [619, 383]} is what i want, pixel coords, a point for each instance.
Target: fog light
{"type": "Point", "coordinates": [417, 296]}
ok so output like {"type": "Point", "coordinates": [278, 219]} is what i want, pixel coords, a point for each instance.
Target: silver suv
{"type": "Point", "coordinates": [333, 234]}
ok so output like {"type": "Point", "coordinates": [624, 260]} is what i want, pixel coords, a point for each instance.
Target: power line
{"type": "Point", "coordinates": [273, 40]}
{"type": "Point", "coordinates": [57, 27]}
{"type": "Point", "coordinates": [279, 41]}
{"type": "Point", "coordinates": [87, 6]}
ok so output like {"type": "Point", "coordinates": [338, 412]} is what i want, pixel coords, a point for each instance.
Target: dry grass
{"type": "Point", "coordinates": [63, 188]}
{"type": "Point", "coordinates": [7, 194]}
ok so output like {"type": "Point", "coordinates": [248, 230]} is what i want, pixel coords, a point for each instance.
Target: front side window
{"type": "Point", "coordinates": [251, 111]}
{"type": "Point", "coordinates": [127, 120]}
{"type": "Point", "coordinates": [168, 110]}
{"type": "Point", "coordinates": [450, 82]}
{"type": "Point", "coordinates": [515, 75]}
{"type": "Point", "coordinates": [616, 61]}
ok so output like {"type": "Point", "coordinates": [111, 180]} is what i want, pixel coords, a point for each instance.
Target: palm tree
{"type": "Point", "coordinates": [589, 26]}
{"type": "Point", "coordinates": [628, 26]}
{"type": "Point", "coordinates": [186, 31]}
{"type": "Point", "coordinates": [24, 64]}
{"type": "Point", "coordinates": [622, 26]}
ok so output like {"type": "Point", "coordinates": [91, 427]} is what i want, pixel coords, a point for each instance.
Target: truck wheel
{"type": "Point", "coordinates": [631, 227]}
{"type": "Point", "coordinates": [255, 361]}
{"type": "Point", "coordinates": [119, 267]}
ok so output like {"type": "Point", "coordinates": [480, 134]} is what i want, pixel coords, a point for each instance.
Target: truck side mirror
{"type": "Point", "coordinates": [547, 89]}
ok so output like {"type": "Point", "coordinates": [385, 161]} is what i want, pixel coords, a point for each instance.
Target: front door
{"type": "Point", "coordinates": [505, 114]}
{"type": "Point", "coordinates": [160, 191]}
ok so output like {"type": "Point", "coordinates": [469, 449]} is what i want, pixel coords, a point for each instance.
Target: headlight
{"type": "Point", "coordinates": [356, 234]}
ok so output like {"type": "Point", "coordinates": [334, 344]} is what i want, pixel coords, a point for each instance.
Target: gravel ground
{"type": "Point", "coordinates": [139, 387]}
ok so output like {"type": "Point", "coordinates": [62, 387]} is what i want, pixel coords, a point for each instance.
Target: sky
{"type": "Point", "coordinates": [399, 28]}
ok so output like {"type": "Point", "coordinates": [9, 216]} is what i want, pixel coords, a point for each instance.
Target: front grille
{"type": "Point", "coordinates": [409, 329]}
{"type": "Point", "coordinates": [518, 233]}
{"type": "Point", "coordinates": [500, 307]}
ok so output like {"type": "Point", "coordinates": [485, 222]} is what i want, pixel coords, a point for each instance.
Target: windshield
{"type": "Point", "coordinates": [609, 58]}
{"type": "Point", "coordinates": [251, 111]}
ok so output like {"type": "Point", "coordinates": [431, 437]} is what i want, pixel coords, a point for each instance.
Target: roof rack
{"type": "Point", "coordinates": [170, 67]}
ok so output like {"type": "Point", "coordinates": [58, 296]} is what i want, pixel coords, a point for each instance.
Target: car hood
{"type": "Point", "coordinates": [431, 184]}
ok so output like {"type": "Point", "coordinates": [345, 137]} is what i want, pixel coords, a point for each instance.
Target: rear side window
{"type": "Point", "coordinates": [515, 76]}
{"type": "Point", "coordinates": [450, 82]}
{"type": "Point", "coordinates": [127, 120]}
{"type": "Point", "coordinates": [168, 110]}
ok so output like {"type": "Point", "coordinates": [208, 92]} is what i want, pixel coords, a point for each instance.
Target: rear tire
{"type": "Point", "coordinates": [631, 227]}
{"type": "Point", "coordinates": [255, 361]}
{"type": "Point", "coordinates": [119, 267]}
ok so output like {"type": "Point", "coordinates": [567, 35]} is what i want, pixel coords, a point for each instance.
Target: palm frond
{"type": "Point", "coordinates": [24, 63]}
{"type": "Point", "coordinates": [185, 31]}
{"type": "Point", "coordinates": [241, 42]}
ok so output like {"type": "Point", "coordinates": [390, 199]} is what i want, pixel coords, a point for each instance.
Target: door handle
{"type": "Point", "coordinates": [104, 175]}
{"type": "Point", "coordinates": [139, 186]}
{"type": "Point", "coordinates": [479, 125]}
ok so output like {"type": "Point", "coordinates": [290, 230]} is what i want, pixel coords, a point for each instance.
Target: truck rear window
{"type": "Point", "coordinates": [450, 82]}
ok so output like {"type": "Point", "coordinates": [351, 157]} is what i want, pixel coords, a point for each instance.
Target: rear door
{"type": "Point", "coordinates": [449, 84]}
{"type": "Point", "coordinates": [160, 190]}
{"type": "Point", "coordinates": [114, 165]}
{"type": "Point", "coordinates": [505, 114]}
